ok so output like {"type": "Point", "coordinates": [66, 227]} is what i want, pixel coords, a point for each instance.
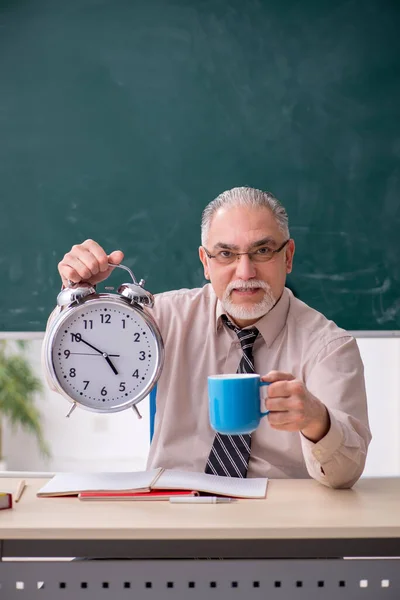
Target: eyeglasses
{"type": "Point", "coordinates": [261, 255]}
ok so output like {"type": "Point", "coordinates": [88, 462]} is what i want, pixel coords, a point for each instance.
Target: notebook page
{"type": "Point", "coordinates": [203, 482]}
{"type": "Point", "coordinates": [73, 483]}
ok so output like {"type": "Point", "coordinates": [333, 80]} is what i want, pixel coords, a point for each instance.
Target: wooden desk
{"type": "Point", "coordinates": [300, 520]}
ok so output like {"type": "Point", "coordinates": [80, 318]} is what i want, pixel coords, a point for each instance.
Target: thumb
{"type": "Point", "coordinates": [116, 257]}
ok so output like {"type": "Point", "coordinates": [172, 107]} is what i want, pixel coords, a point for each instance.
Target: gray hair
{"type": "Point", "coordinates": [244, 196]}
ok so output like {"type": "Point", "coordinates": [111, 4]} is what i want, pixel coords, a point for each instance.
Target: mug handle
{"type": "Point", "coordinates": [263, 395]}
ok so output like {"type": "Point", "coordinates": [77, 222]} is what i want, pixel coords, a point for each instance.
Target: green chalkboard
{"type": "Point", "coordinates": [121, 119]}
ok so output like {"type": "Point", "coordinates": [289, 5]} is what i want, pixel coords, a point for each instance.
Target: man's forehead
{"type": "Point", "coordinates": [243, 225]}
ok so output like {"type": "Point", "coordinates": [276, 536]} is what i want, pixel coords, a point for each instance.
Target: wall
{"type": "Point", "coordinates": [120, 119]}
{"type": "Point", "coordinates": [88, 441]}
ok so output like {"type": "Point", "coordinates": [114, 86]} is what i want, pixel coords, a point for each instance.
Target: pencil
{"type": "Point", "coordinates": [20, 490]}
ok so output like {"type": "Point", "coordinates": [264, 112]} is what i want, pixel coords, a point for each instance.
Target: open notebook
{"type": "Point", "coordinates": [71, 484]}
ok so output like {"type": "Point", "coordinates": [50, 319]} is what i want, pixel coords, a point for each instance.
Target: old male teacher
{"type": "Point", "coordinates": [246, 320]}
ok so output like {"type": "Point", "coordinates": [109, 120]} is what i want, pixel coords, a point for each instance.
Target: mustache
{"type": "Point", "coordinates": [247, 285]}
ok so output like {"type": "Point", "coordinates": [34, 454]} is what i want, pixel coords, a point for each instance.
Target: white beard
{"type": "Point", "coordinates": [248, 312]}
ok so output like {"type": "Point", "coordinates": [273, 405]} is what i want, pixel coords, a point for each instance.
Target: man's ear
{"type": "Point", "coordinates": [204, 260]}
{"type": "Point", "coordinates": [290, 248]}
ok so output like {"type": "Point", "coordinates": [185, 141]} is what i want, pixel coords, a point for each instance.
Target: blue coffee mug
{"type": "Point", "coordinates": [235, 402]}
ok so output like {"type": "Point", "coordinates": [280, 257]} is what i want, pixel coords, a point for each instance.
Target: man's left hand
{"type": "Point", "coordinates": [293, 408]}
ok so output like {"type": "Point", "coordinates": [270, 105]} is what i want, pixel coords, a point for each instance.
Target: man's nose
{"type": "Point", "coordinates": [244, 267]}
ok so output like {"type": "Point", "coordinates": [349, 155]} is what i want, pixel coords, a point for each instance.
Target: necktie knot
{"type": "Point", "coordinates": [247, 337]}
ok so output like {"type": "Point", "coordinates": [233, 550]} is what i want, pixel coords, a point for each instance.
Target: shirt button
{"type": "Point", "coordinates": [318, 453]}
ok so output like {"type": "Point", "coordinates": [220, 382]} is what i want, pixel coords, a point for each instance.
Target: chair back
{"type": "Point", "coordinates": [153, 395]}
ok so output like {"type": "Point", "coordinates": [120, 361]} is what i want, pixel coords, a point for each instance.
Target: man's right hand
{"type": "Point", "coordinates": [88, 262]}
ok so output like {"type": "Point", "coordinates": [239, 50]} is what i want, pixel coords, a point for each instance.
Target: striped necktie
{"type": "Point", "coordinates": [230, 454]}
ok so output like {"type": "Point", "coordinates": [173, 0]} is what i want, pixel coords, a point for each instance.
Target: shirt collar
{"type": "Point", "coordinates": [270, 325]}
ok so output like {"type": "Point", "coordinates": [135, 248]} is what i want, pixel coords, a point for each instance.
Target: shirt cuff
{"type": "Point", "coordinates": [323, 450]}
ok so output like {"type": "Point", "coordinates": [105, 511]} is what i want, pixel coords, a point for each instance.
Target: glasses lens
{"type": "Point", "coordinates": [225, 257]}
{"type": "Point", "coordinates": [262, 256]}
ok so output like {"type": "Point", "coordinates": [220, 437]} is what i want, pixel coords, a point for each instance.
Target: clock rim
{"type": "Point", "coordinates": [94, 299]}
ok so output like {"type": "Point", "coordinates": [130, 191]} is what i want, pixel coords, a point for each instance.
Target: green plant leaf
{"type": "Point", "coordinates": [18, 386]}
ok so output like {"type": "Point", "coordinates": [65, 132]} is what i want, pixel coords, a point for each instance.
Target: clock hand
{"type": "Point", "coordinates": [80, 339]}
{"type": "Point", "coordinates": [100, 352]}
{"type": "Point", "coordinates": [110, 363]}
{"type": "Point", "coordinates": [93, 354]}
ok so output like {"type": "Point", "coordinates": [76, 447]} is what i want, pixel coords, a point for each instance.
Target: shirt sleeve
{"type": "Point", "coordinates": [337, 380]}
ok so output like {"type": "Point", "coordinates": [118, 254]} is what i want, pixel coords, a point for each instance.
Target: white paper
{"type": "Point", "coordinates": [69, 483]}
{"type": "Point", "coordinates": [203, 482]}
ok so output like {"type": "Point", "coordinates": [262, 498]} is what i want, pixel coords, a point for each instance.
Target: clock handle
{"type": "Point", "coordinates": [141, 282]}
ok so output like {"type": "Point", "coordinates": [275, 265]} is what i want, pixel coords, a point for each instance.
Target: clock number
{"type": "Point", "coordinates": [67, 353]}
{"type": "Point", "coordinates": [142, 355]}
{"type": "Point", "coordinates": [72, 373]}
{"type": "Point", "coordinates": [88, 324]}
{"type": "Point", "coordinates": [105, 318]}
{"type": "Point", "coordinates": [76, 337]}
{"type": "Point", "coordinates": [123, 323]}
{"type": "Point", "coordinates": [122, 386]}
{"type": "Point", "coordinates": [137, 337]}
{"type": "Point", "coordinates": [104, 391]}
{"type": "Point", "coordinates": [86, 384]}
{"type": "Point", "coordinates": [136, 374]}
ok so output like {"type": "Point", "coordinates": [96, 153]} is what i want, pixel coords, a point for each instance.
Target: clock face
{"type": "Point", "coordinates": [105, 355]}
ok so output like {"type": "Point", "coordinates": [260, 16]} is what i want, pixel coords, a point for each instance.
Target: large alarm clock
{"type": "Point", "coordinates": [103, 351]}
